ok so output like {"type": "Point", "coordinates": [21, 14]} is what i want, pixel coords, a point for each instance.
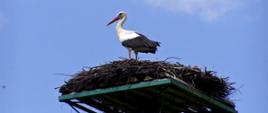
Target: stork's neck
{"type": "Point", "coordinates": [119, 25]}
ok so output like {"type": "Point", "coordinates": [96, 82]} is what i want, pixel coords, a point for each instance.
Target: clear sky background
{"type": "Point", "coordinates": [39, 38]}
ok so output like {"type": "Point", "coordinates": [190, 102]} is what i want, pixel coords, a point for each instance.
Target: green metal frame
{"type": "Point", "coordinates": [115, 89]}
{"type": "Point", "coordinates": [167, 81]}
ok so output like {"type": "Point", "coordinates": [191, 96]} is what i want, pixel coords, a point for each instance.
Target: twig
{"type": "Point", "coordinates": [64, 74]}
{"type": "Point", "coordinates": [172, 58]}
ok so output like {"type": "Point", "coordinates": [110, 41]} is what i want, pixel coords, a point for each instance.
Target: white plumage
{"type": "Point", "coordinates": [126, 35]}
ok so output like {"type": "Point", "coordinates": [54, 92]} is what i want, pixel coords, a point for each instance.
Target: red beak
{"type": "Point", "coordinates": [115, 19]}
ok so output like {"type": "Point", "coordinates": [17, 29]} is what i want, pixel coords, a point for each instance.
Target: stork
{"type": "Point", "coordinates": [132, 40]}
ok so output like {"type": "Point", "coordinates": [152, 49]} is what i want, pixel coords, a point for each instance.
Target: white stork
{"type": "Point", "coordinates": [132, 40]}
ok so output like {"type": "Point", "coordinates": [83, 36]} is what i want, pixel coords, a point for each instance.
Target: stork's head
{"type": "Point", "coordinates": [120, 15]}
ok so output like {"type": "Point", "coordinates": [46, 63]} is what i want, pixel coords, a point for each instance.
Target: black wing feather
{"type": "Point", "coordinates": [141, 44]}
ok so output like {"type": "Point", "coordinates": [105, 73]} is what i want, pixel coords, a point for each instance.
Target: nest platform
{"type": "Point", "coordinates": [130, 86]}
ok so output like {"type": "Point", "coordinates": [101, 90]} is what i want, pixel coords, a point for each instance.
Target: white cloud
{"type": "Point", "coordinates": [208, 10]}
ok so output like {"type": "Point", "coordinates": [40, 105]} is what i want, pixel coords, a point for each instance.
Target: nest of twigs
{"type": "Point", "coordinates": [131, 71]}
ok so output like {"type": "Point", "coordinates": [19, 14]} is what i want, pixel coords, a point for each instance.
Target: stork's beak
{"type": "Point", "coordinates": [115, 19]}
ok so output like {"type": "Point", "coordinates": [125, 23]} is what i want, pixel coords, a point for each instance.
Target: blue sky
{"type": "Point", "coordinates": [39, 38]}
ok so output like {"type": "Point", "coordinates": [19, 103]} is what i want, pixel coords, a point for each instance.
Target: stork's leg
{"type": "Point", "coordinates": [136, 55]}
{"type": "Point", "coordinates": [129, 54]}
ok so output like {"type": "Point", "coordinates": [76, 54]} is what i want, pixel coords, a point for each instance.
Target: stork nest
{"type": "Point", "coordinates": [131, 71]}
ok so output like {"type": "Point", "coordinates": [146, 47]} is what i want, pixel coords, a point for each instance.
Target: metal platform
{"type": "Point", "coordinates": [158, 96]}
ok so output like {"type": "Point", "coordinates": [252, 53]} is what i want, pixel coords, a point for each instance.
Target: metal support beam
{"type": "Point", "coordinates": [79, 106]}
